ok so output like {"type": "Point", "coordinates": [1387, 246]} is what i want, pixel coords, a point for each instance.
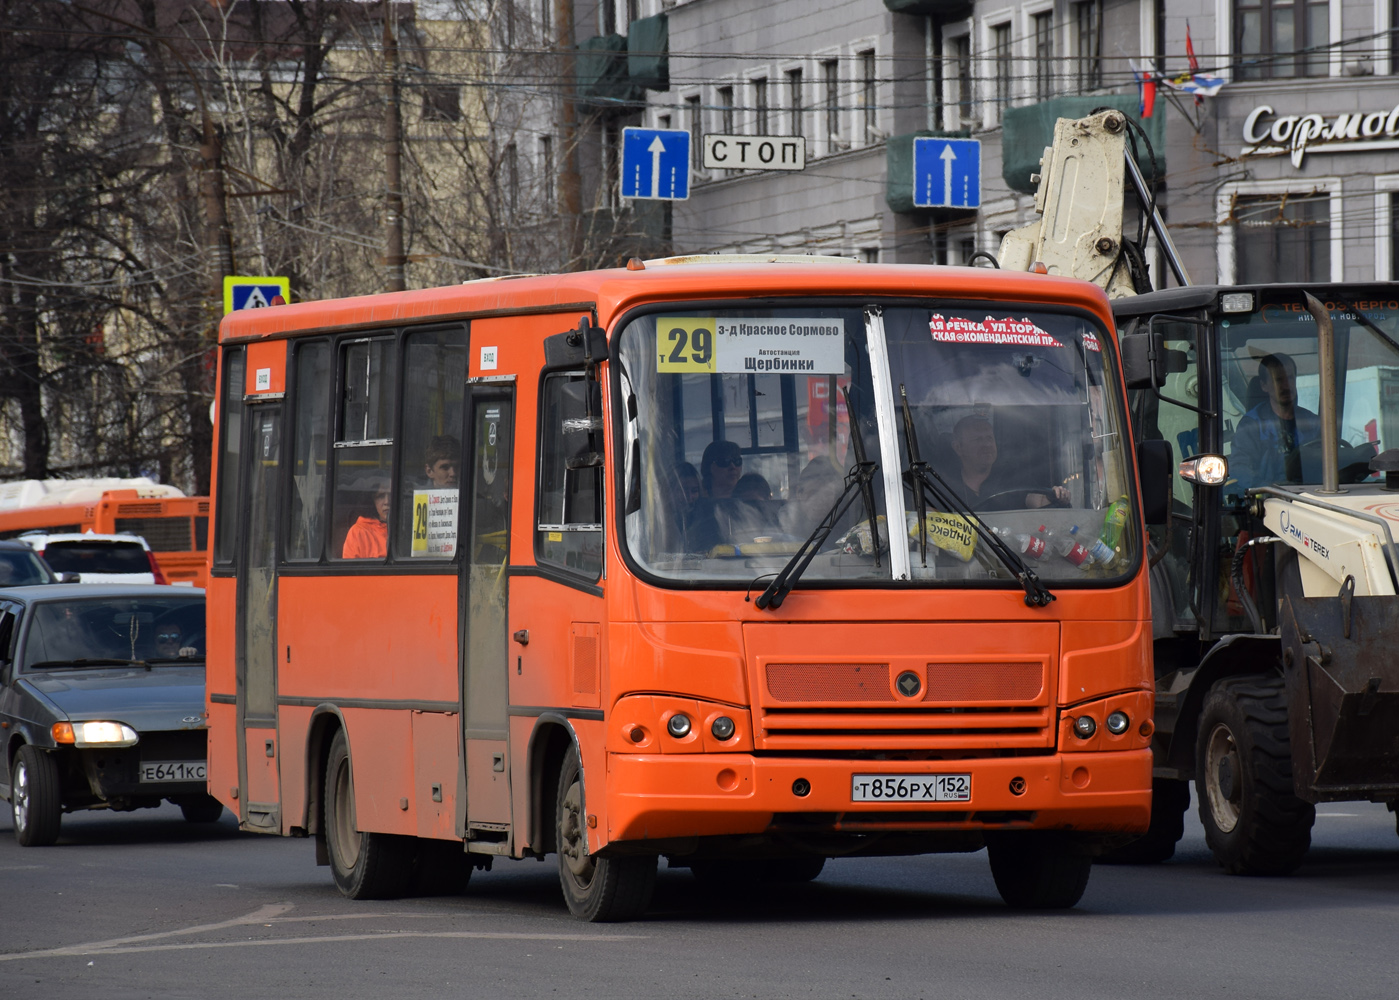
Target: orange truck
{"type": "Point", "coordinates": [747, 563]}
{"type": "Point", "coordinates": [175, 526]}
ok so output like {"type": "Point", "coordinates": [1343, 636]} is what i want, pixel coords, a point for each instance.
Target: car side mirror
{"type": "Point", "coordinates": [70, 578]}
{"type": "Point", "coordinates": [580, 423]}
{"type": "Point", "coordinates": [1154, 459]}
{"type": "Point", "coordinates": [1146, 360]}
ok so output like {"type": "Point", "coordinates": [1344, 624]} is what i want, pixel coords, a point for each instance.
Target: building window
{"type": "Point", "coordinates": [830, 76]}
{"type": "Point", "coordinates": [760, 105]}
{"type": "Point", "coordinates": [870, 255]}
{"type": "Point", "coordinates": [1393, 237]}
{"type": "Point", "coordinates": [546, 171]}
{"type": "Point", "coordinates": [1280, 38]}
{"type": "Point", "coordinates": [546, 17]}
{"type": "Point", "coordinates": [794, 101]}
{"type": "Point", "coordinates": [441, 103]}
{"type": "Point", "coordinates": [1044, 54]}
{"type": "Point", "coordinates": [869, 93]}
{"type": "Point", "coordinates": [608, 11]}
{"type": "Point", "coordinates": [962, 56]}
{"type": "Point", "coordinates": [1282, 238]}
{"type": "Point", "coordinates": [633, 10]}
{"type": "Point", "coordinates": [1000, 58]}
{"type": "Point", "coordinates": [512, 179]}
{"type": "Point", "coordinates": [1088, 35]}
{"type": "Point", "coordinates": [725, 97]}
{"type": "Point", "coordinates": [694, 122]}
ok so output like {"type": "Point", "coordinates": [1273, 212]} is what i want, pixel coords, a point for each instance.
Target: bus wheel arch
{"type": "Point", "coordinates": [326, 721]}
{"type": "Point", "coordinates": [553, 737]}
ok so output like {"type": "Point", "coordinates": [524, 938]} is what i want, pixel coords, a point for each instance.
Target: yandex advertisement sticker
{"type": "Point", "coordinates": [1007, 332]}
{"type": "Point", "coordinates": [742, 345]}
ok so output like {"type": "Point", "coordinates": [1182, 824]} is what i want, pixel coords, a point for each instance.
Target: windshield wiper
{"type": "Point", "coordinates": [98, 661]}
{"type": "Point", "coordinates": [920, 476]}
{"type": "Point", "coordinates": [857, 480]}
{"type": "Point", "coordinates": [158, 660]}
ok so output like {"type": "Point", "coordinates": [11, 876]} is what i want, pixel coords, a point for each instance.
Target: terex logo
{"type": "Point", "coordinates": [1288, 528]}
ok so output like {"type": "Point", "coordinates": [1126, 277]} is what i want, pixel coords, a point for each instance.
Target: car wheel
{"type": "Point", "coordinates": [1169, 801]}
{"type": "Point", "coordinates": [596, 889]}
{"type": "Point", "coordinates": [201, 809]}
{"type": "Point", "coordinates": [36, 797]}
{"type": "Point", "coordinates": [365, 865]}
{"type": "Point", "coordinates": [1039, 870]}
{"type": "Point", "coordinates": [1254, 823]}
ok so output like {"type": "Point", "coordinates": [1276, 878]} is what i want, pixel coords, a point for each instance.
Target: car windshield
{"type": "Point", "coordinates": [738, 429]}
{"type": "Point", "coordinates": [22, 568]}
{"type": "Point", "coordinates": [1271, 388]}
{"type": "Point", "coordinates": [97, 557]}
{"type": "Point", "coordinates": [115, 628]}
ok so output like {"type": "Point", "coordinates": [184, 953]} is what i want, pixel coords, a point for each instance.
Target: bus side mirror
{"type": "Point", "coordinates": [1154, 470]}
{"type": "Point", "coordinates": [580, 420]}
{"type": "Point", "coordinates": [1146, 361]}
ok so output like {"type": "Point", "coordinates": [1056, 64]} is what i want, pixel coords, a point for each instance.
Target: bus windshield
{"type": "Point", "coordinates": [738, 427]}
{"type": "Point", "coordinates": [1271, 389]}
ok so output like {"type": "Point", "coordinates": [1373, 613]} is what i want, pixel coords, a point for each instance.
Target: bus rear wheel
{"type": "Point", "coordinates": [365, 865]}
{"type": "Point", "coordinates": [598, 890]}
{"type": "Point", "coordinates": [1039, 870]}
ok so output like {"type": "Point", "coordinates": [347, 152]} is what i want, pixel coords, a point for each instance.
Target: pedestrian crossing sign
{"type": "Point", "coordinates": [254, 293]}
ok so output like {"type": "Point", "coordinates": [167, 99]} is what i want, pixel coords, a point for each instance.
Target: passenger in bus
{"type": "Point", "coordinates": [1270, 437]}
{"type": "Point", "coordinates": [443, 460]}
{"type": "Point", "coordinates": [752, 486]}
{"type": "Point", "coordinates": [974, 443]}
{"type": "Point", "coordinates": [368, 537]}
{"type": "Point", "coordinates": [721, 467]}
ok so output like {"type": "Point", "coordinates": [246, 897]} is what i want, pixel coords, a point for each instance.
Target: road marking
{"type": "Point", "coordinates": [85, 950]}
{"type": "Point", "coordinates": [260, 915]}
{"type": "Point", "coordinates": [1351, 815]}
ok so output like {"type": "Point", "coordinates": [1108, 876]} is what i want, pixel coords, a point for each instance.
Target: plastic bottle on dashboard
{"type": "Point", "coordinates": [1114, 521]}
{"type": "Point", "coordinates": [1067, 545]}
{"type": "Point", "coordinates": [1033, 544]}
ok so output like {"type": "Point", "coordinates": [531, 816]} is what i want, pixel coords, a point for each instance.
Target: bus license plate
{"type": "Point", "coordinates": [911, 788]}
{"type": "Point", "coordinates": [155, 771]}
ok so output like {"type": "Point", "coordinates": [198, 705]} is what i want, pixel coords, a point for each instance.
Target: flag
{"type": "Point", "coordinates": [1194, 63]}
{"type": "Point", "coordinates": [1200, 84]}
{"type": "Point", "coordinates": [1146, 90]}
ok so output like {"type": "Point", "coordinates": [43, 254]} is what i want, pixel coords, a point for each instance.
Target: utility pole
{"type": "Point", "coordinates": [217, 235]}
{"type": "Point", "coordinates": [570, 183]}
{"type": "Point", "coordinates": [393, 133]}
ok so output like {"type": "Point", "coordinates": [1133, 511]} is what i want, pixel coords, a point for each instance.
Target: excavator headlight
{"type": "Point", "coordinates": [1207, 470]}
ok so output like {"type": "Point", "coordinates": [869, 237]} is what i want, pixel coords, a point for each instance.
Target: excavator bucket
{"type": "Point", "coordinates": [1341, 659]}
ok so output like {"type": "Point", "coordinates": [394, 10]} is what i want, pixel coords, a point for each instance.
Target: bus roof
{"type": "Point", "coordinates": [615, 290]}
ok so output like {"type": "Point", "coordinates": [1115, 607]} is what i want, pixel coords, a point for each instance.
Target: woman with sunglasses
{"type": "Point", "coordinates": [720, 469]}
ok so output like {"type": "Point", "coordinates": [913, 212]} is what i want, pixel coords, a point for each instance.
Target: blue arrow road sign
{"type": "Point", "coordinates": [656, 163]}
{"type": "Point", "coordinates": [946, 173]}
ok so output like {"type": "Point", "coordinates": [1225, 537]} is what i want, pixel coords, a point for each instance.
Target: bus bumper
{"type": "Point", "coordinates": [654, 796]}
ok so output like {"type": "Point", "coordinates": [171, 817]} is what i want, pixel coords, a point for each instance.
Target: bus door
{"type": "Point", "coordinates": [256, 664]}
{"type": "Point", "coordinates": [484, 642]}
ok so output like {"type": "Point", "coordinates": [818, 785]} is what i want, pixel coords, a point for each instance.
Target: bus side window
{"type": "Point", "coordinates": [230, 455]}
{"type": "Point", "coordinates": [569, 526]}
{"type": "Point", "coordinates": [310, 452]}
{"type": "Point", "coordinates": [364, 451]}
{"type": "Point", "coordinates": [427, 496]}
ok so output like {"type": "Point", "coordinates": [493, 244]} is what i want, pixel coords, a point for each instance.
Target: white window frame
{"type": "Point", "coordinates": [857, 137]}
{"type": "Point", "coordinates": [786, 103]}
{"type": "Point", "coordinates": [1028, 13]}
{"type": "Point", "coordinates": [1383, 66]}
{"type": "Point", "coordinates": [1226, 261]}
{"type": "Point", "coordinates": [841, 142]}
{"type": "Point", "coordinates": [991, 112]}
{"type": "Point", "coordinates": [750, 98]}
{"type": "Point", "coordinates": [1385, 185]}
{"type": "Point", "coordinates": [697, 170]}
{"type": "Point", "coordinates": [952, 119]}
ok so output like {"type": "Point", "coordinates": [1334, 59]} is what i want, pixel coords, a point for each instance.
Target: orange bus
{"type": "Point", "coordinates": [744, 563]}
{"type": "Point", "coordinates": [175, 526]}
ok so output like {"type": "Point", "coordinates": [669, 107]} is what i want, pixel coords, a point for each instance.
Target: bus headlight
{"type": "Point", "coordinates": [679, 725]}
{"type": "Point", "coordinates": [1085, 726]}
{"type": "Point", "coordinates": [722, 728]}
{"type": "Point", "coordinates": [1118, 722]}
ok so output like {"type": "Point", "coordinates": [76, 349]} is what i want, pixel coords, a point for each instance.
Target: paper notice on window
{"type": "Point", "coordinates": [742, 345]}
{"type": "Point", "coordinates": [435, 522]}
{"type": "Point", "coordinates": [1006, 332]}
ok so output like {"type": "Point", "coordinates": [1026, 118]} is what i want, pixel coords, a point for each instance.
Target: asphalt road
{"type": "Point", "coordinates": [143, 905]}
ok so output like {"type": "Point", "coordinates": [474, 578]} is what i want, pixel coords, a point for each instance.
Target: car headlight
{"type": "Point", "coordinates": [95, 734]}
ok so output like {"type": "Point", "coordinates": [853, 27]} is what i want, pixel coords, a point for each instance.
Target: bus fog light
{"type": "Point", "coordinates": [1118, 723]}
{"type": "Point", "coordinates": [801, 788]}
{"type": "Point", "coordinates": [637, 734]}
{"type": "Point", "coordinates": [679, 725]}
{"type": "Point", "coordinates": [1085, 726]}
{"type": "Point", "coordinates": [722, 727]}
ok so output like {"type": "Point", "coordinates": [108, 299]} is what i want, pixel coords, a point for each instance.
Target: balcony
{"type": "Point", "coordinates": [1028, 130]}
{"type": "Point", "coordinates": [603, 80]}
{"type": "Point", "coordinates": [648, 53]}
{"type": "Point", "coordinates": [931, 8]}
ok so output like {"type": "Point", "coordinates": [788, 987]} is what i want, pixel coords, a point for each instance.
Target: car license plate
{"type": "Point", "coordinates": [911, 787]}
{"type": "Point", "coordinates": [154, 771]}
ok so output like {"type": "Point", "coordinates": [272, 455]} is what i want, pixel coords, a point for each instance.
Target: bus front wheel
{"type": "Point", "coordinates": [1039, 870]}
{"type": "Point", "coordinates": [596, 889]}
{"type": "Point", "coordinates": [365, 865]}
